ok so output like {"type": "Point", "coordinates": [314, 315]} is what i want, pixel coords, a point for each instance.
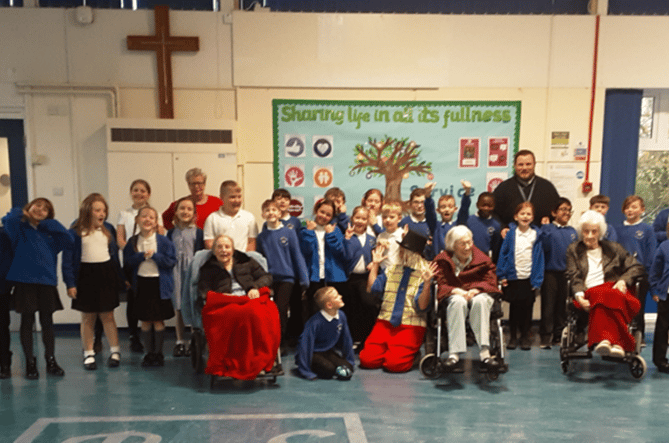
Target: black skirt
{"type": "Point", "coordinates": [518, 291]}
{"type": "Point", "coordinates": [97, 288]}
{"type": "Point", "coordinates": [148, 304]}
{"type": "Point", "coordinates": [29, 298]}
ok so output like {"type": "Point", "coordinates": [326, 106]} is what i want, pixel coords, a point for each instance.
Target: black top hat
{"type": "Point", "coordinates": [414, 242]}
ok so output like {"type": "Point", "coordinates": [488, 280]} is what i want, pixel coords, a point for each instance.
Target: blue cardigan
{"type": "Point", "coordinates": [506, 265]}
{"type": "Point", "coordinates": [335, 256]}
{"type": "Point", "coordinates": [35, 249]}
{"type": "Point", "coordinates": [165, 258]}
{"type": "Point", "coordinates": [72, 259]}
{"type": "Point", "coordinates": [354, 250]}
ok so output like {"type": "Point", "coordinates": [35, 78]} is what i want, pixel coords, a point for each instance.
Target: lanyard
{"type": "Point", "coordinates": [522, 193]}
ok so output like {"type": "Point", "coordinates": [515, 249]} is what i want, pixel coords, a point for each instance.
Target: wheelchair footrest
{"type": "Point", "coordinates": [577, 355]}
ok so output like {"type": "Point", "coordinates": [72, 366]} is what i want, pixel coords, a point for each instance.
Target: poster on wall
{"type": "Point", "coordinates": [394, 146]}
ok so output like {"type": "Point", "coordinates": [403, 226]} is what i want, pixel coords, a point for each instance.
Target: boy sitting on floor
{"type": "Point", "coordinates": [325, 348]}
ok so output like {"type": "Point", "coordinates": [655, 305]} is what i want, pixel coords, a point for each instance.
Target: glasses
{"type": "Point", "coordinates": [567, 210]}
{"type": "Point", "coordinates": [196, 184]}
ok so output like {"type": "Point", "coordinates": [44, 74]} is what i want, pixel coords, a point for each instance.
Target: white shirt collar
{"type": "Point", "coordinates": [631, 224]}
{"type": "Point", "coordinates": [329, 317]}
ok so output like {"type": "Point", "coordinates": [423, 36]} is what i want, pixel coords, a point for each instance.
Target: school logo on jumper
{"type": "Point", "coordinates": [295, 145]}
{"type": "Point", "coordinates": [283, 240]}
{"type": "Point", "coordinates": [491, 230]}
{"type": "Point", "coordinates": [638, 235]}
{"type": "Point", "coordinates": [322, 145]}
{"type": "Point", "coordinates": [294, 176]}
{"type": "Point", "coordinates": [323, 176]}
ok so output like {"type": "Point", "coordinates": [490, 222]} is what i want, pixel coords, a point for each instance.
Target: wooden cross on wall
{"type": "Point", "coordinates": [163, 44]}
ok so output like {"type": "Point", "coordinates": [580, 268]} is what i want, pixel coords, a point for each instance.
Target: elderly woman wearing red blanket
{"type": "Point", "coordinates": [601, 273]}
{"type": "Point", "coordinates": [240, 320]}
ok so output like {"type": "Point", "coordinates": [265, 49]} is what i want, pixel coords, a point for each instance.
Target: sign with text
{"type": "Point", "coordinates": [394, 146]}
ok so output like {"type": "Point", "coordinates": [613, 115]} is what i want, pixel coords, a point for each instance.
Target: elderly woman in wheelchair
{"type": "Point", "coordinates": [467, 284]}
{"type": "Point", "coordinates": [601, 275]}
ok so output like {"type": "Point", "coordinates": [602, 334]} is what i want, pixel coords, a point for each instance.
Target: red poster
{"type": "Point", "coordinates": [470, 151]}
{"type": "Point", "coordinates": [498, 152]}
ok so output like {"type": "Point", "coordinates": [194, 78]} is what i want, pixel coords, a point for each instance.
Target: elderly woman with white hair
{"type": "Point", "coordinates": [601, 273]}
{"type": "Point", "coordinates": [466, 280]}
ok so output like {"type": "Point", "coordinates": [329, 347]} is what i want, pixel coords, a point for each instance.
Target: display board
{"type": "Point", "coordinates": [394, 146]}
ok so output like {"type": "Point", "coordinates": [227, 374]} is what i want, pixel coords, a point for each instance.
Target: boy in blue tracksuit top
{"type": "Point", "coordinates": [520, 270]}
{"type": "Point", "coordinates": [486, 230]}
{"type": "Point", "coordinates": [281, 247]}
{"type": "Point", "coordinates": [555, 237]}
{"type": "Point", "coordinates": [600, 203]}
{"type": "Point", "coordinates": [659, 286]}
{"type": "Point", "coordinates": [325, 349]}
{"type": "Point", "coordinates": [639, 239]}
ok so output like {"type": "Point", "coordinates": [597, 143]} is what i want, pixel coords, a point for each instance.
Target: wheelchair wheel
{"type": "Point", "coordinates": [638, 367]}
{"type": "Point", "coordinates": [492, 374]}
{"type": "Point", "coordinates": [197, 344]}
{"type": "Point", "coordinates": [430, 366]}
{"type": "Point", "coordinates": [565, 365]}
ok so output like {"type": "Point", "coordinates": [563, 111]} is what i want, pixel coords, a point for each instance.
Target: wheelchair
{"type": "Point", "coordinates": [432, 366]}
{"type": "Point", "coordinates": [571, 346]}
{"type": "Point", "coordinates": [192, 315]}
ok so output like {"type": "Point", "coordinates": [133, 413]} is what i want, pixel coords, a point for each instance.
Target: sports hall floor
{"type": "Point", "coordinates": [534, 402]}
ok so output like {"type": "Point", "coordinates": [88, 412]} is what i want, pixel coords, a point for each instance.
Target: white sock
{"type": "Point", "coordinates": [89, 354]}
{"type": "Point", "coordinates": [455, 357]}
{"type": "Point", "coordinates": [113, 349]}
{"type": "Point", "coordinates": [484, 353]}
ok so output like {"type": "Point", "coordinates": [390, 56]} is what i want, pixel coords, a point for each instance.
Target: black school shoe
{"type": "Point", "coordinates": [31, 369]}
{"type": "Point", "coordinates": [158, 359]}
{"type": "Point", "coordinates": [663, 367]}
{"type": "Point", "coordinates": [52, 367]}
{"type": "Point", "coordinates": [148, 360]}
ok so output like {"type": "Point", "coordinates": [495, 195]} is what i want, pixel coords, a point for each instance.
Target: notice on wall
{"type": "Point", "coordinates": [566, 178]}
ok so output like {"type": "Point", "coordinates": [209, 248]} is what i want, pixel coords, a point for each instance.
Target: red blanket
{"type": "Point", "coordinates": [610, 313]}
{"type": "Point", "coordinates": [243, 334]}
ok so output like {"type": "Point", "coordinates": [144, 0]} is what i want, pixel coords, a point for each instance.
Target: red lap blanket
{"type": "Point", "coordinates": [243, 334]}
{"type": "Point", "coordinates": [610, 313]}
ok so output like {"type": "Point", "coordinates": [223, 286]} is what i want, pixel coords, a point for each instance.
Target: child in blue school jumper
{"type": "Point", "coordinates": [187, 239]}
{"type": "Point", "coordinates": [281, 247]}
{"type": "Point", "coordinates": [6, 256]}
{"type": "Point", "coordinates": [555, 238]}
{"type": "Point", "coordinates": [659, 286]}
{"type": "Point", "coordinates": [359, 305]}
{"type": "Point", "coordinates": [151, 258]}
{"type": "Point", "coordinates": [520, 270]}
{"type": "Point", "coordinates": [322, 245]}
{"type": "Point", "coordinates": [294, 324]}
{"type": "Point", "coordinates": [93, 277]}
{"type": "Point", "coordinates": [486, 230]}
{"type": "Point", "coordinates": [416, 220]}
{"type": "Point", "coordinates": [446, 207]}
{"type": "Point", "coordinates": [325, 348]}
{"type": "Point", "coordinates": [36, 239]}
{"type": "Point", "coordinates": [639, 239]}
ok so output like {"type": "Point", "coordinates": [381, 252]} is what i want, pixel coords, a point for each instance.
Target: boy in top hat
{"type": "Point", "coordinates": [400, 327]}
